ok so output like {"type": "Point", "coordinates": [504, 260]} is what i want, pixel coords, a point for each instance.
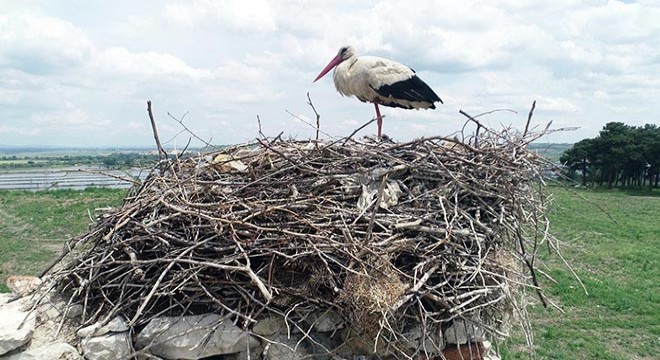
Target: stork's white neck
{"type": "Point", "coordinates": [348, 78]}
{"type": "Point", "coordinates": [346, 65]}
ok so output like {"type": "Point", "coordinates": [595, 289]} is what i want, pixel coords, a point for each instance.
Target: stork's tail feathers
{"type": "Point", "coordinates": [412, 89]}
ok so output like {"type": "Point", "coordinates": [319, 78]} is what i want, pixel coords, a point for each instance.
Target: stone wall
{"type": "Point", "coordinates": [37, 331]}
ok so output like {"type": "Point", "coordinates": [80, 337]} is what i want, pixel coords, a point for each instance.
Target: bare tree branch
{"type": "Point", "coordinates": [161, 150]}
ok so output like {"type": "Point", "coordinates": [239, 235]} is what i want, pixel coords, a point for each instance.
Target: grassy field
{"type": "Point", "coordinates": [617, 260]}
{"type": "Point", "coordinates": [34, 225]}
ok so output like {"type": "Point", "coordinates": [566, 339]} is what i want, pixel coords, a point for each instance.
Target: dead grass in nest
{"type": "Point", "coordinates": [369, 297]}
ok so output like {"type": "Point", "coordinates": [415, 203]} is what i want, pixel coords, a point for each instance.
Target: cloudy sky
{"type": "Point", "coordinates": [79, 72]}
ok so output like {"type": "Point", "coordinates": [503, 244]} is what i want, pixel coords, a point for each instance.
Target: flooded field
{"type": "Point", "coordinates": [68, 178]}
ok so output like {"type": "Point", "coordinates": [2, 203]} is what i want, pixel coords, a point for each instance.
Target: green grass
{"type": "Point", "coordinates": [34, 225]}
{"type": "Point", "coordinates": [618, 262]}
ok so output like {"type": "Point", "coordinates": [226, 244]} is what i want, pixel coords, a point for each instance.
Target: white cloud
{"type": "Point", "coordinates": [616, 22]}
{"type": "Point", "coordinates": [9, 96]}
{"type": "Point", "coordinates": [556, 104]}
{"type": "Point", "coordinates": [118, 60]}
{"type": "Point", "coordinates": [233, 14]}
{"type": "Point", "coordinates": [41, 44]}
{"type": "Point", "coordinates": [68, 116]}
{"type": "Point", "coordinates": [88, 69]}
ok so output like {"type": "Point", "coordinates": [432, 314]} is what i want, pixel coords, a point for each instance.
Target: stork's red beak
{"type": "Point", "coordinates": [334, 62]}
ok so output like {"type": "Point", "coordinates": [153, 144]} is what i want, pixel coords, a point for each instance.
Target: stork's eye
{"type": "Point", "coordinates": [343, 50]}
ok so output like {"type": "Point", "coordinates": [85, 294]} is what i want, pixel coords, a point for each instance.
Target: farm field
{"type": "Point", "coordinates": [615, 258]}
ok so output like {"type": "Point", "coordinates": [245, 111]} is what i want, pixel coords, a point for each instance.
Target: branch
{"type": "Point", "coordinates": [318, 117]}
{"type": "Point", "coordinates": [180, 121]}
{"type": "Point", "coordinates": [356, 131]}
{"type": "Point", "coordinates": [261, 133]}
{"type": "Point", "coordinates": [161, 151]}
{"type": "Point", "coordinates": [308, 123]}
{"type": "Point", "coordinates": [529, 118]}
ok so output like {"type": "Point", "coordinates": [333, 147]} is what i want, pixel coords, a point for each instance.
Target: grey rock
{"type": "Point", "coordinates": [13, 303]}
{"type": "Point", "coordinates": [463, 331]}
{"type": "Point", "coordinates": [107, 347]}
{"type": "Point", "coordinates": [193, 337]}
{"type": "Point", "coordinates": [413, 343]}
{"type": "Point", "coordinates": [269, 326]}
{"type": "Point", "coordinates": [58, 350]}
{"type": "Point", "coordinates": [360, 342]}
{"type": "Point", "coordinates": [12, 334]}
{"type": "Point", "coordinates": [285, 348]}
{"type": "Point", "coordinates": [325, 321]}
{"type": "Point", "coordinates": [429, 343]}
{"type": "Point", "coordinates": [253, 354]}
{"type": "Point", "coordinates": [117, 324]}
{"type": "Point", "coordinates": [75, 311]}
{"type": "Point", "coordinates": [6, 298]}
{"type": "Point", "coordinates": [49, 312]}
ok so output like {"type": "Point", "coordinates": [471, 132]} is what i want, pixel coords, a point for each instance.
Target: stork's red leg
{"type": "Point", "coordinates": [379, 119]}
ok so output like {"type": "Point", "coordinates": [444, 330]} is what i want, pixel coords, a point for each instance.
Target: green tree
{"type": "Point", "coordinates": [579, 157]}
{"type": "Point", "coordinates": [621, 155]}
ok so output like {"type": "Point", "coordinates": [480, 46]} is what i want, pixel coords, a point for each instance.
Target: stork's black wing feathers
{"type": "Point", "coordinates": [412, 89]}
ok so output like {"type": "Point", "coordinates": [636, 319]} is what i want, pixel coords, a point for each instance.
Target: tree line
{"type": "Point", "coordinates": [111, 161]}
{"type": "Point", "coordinates": [620, 156]}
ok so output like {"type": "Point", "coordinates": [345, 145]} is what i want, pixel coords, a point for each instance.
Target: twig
{"type": "Point", "coordinates": [261, 134]}
{"type": "Point", "coordinates": [494, 111]}
{"type": "Point", "coordinates": [180, 121]}
{"type": "Point", "coordinates": [356, 131]}
{"type": "Point", "coordinates": [318, 117]}
{"type": "Point", "coordinates": [315, 127]}
{"type": "Point", "coordinates": [161, 150]}
{"type": "Point", "coordinates": [529, 118]}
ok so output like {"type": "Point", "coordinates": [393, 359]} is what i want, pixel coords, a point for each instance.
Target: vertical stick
{"type": "Point", "coordinates": [261, 133]}
{"type": "Point", "coordinates": [318, 117]}
{"type": "Point", "coordinates": [161, 151]}
{"type": "Point", "coordinates": [529, 118]}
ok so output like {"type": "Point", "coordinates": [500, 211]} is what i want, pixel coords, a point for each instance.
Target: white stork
{"type": "Point", "coordinates": [379, 81]}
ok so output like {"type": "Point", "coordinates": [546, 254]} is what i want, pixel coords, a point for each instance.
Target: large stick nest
{"type": "Point", "coordinates": [388, 235]}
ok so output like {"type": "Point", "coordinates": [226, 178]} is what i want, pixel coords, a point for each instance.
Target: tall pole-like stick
{"type": "Point", "coordinates": [318, 117]}
{"type": "Point", "coordinates": [161, 151]}
{"type": "Point", "coordinates": [529, 118]}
